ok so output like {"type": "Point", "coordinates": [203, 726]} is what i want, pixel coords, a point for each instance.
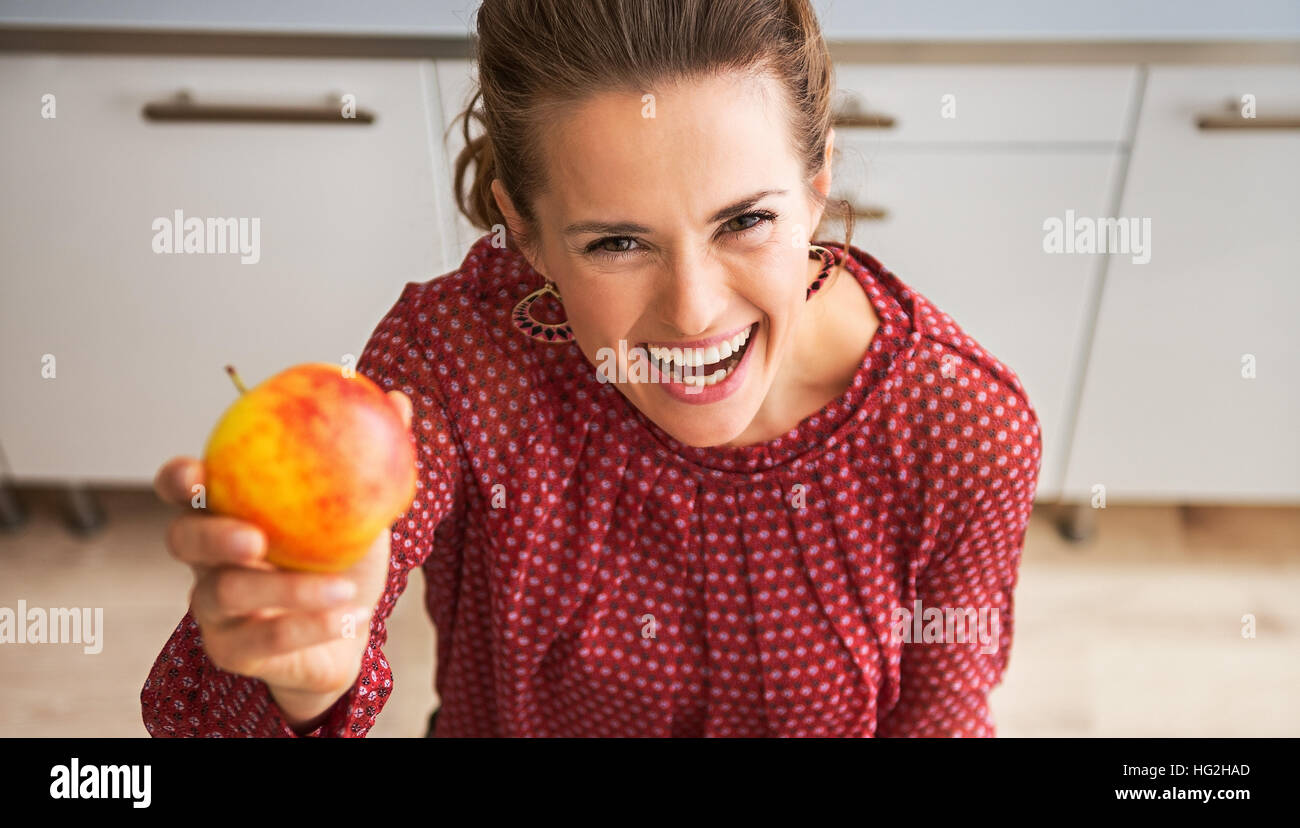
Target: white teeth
{"type": "Point", "coordinates": [713, 379]}
{"type": "Point", "coordinates": [694, 357]}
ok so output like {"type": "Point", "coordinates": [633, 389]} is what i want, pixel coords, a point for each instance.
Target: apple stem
{"type": "Point", "coordinates": [234, 377]}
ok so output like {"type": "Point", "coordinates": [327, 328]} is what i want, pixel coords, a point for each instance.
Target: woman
{"type": "Point", "coordinates": [683, 471]}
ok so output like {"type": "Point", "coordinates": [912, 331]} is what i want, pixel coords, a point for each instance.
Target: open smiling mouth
{"type": "Point", "coordinates": [702, 367]}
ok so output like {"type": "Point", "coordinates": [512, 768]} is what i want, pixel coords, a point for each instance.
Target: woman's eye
{"type": "Point", "coordinates": [731, 225]}
{"type": "Point", "coordinates": [614, 244]}
{"type": "Point", "coordinates": [623, 246]}
{"type": "Point", "coordinates": [748, 221]}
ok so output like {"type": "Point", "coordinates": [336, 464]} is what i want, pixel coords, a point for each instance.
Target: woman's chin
{"type": "Point", "coordinates": [716, 438]}
{"type": "Point", "coordinates": [694, 428]}
{"type": "Point", "coordinates": [702, 438]}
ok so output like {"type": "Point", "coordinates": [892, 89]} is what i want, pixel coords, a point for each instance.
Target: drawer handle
{"type": "Point", "coordinates": [182, 108]}
{"type": "Point", "coordinates": [1231, 118]}
{"type": "Point", "coordinates": [863, 120]}
{"type": "Point", "coordinates": [864, 212]}
{"type": "Point", "coordinates": [1238, 122]}
{"type": "Point", "coordinates": [853, 114]}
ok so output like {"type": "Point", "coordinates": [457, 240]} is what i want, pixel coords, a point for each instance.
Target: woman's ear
{"type": "Point", "coordinates": [513, 222]}
{"type": "Point", "coordinates": [504, 204]}
{"type": "Point", "coordinates": [822, 181]}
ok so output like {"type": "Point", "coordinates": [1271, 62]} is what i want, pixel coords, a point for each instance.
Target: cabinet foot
{"type": "Point", "coordinates": [12, 513]}
{"type": "Point", "coordinates": [82, 513]}
{"type": "Point", "coordinates": [1077, 522]}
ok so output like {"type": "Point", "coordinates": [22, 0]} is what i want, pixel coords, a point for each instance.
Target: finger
{"type": "Point", "coordinates": [256, 640]}
{"type": "Point", "coordinates": [214, 540]}
{"type": "Point", "coordinates": [371, 573]}
{"type": "Point", "coordinates": [231, 592]}
{"type": "Point", "coordinates": [176, 480]}
{"type": "Point", "coordinates": [403, 404]}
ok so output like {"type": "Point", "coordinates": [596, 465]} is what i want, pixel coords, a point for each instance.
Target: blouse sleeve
{"type": "Point", "coordinates": [944, 684]}
{"type": "Point", "coordinates": [185, 695]}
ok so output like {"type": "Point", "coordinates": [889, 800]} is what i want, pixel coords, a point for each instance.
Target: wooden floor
{"type": "Point", "coordinates": [1136, 632]}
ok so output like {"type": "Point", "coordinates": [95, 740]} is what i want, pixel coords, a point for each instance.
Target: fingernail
{"type": "Point", "coordinates": [337, 591]}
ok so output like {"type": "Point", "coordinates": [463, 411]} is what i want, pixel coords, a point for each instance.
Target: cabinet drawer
{"type": "Point", "coordinates": [346, 212]}
{"type": "Point", "coordinates": [1020, 104]}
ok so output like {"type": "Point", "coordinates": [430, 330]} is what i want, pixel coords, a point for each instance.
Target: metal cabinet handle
{"type": "Point", "coordinates": [861, 212]}
{"type": "Point", "coordinates": [1238, 122]}
{"type": "Point", "coordinates": [1231, 118]}
{"type": "Point", "coordinates": [865, 212]}
{"type": "Point", "coordinates": [853, 114]}
{"type": "Point", "coordinates": [863, 120]}
{"type": "Point", "coordinates": [183, 108]}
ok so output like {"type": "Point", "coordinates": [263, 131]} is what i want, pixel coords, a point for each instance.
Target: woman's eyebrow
{"type": "Point", "coordinates": [627, 227]}
{"type": "Point", "coordinates": [744, 204]}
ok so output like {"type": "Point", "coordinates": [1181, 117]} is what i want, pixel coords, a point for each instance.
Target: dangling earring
{"type": "Point", "coordinates": [828, 263]}
{"type": "Point", "coordinates": [541, 331]}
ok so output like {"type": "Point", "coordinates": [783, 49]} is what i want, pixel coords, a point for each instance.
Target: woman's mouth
{"type": "Point", "coordinates": [702, 367]}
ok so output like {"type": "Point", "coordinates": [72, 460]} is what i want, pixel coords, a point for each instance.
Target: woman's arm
{"type": "Point", "coordinates": [945, 685]}
{"type": "Point", "coordinates": [187, 695]}
{"type": "Point", "coordinates": [990, 453]}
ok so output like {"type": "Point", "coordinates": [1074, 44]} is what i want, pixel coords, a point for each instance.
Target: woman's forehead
{"type": "Point", "coordinates": [705, 143]}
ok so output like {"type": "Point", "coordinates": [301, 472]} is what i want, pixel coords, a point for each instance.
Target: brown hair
{"type": "Point", "coordinates": [535, 56]}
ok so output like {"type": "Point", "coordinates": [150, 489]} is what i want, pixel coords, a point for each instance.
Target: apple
{"type": "Point", "coordinates": [320, 461]}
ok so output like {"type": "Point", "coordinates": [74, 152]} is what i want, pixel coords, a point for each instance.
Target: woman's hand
{"type": "Point", "coordinates": [302, 633]}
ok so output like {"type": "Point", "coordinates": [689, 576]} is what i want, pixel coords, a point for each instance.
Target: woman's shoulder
{"type": "Point", "coordinates": [466, 313]}
{"type": "Point", "coordinates": [942, 349]}
{"type": "Point", "coordinates": [458, 329]}
{"type": "Point", "coordinates": [483, 288]}
{"type": "Point", "coordinates": [955, 411]}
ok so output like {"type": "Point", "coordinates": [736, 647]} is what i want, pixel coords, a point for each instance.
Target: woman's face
{"type": "Point", "coordinates": [671, 226]}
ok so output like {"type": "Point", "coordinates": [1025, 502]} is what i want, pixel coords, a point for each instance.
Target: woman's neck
{"type": "Point", "coordinates": [829, 345]}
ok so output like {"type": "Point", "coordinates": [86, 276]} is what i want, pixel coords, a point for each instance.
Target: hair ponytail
{"type": "Point", "coordinates": [476, 201]}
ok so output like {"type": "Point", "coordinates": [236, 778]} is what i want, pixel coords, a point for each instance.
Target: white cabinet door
{"type": "Point", "coordinates": [965, 230]}
{"type": "Point", "coordinates": [1169, 410]}
{"type": "Point", "coordinates": [347, 214]}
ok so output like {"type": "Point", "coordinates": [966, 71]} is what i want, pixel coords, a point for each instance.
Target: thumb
{"type": "Point", "coordinates": [403, 405]}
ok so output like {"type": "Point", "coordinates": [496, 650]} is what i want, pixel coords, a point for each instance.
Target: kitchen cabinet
{"type": "Point", "coordinates": [1138, 370]}
{"type": "Point", "coordinates": [1191, 391]}
{"type": "Point", "coordinates": [347, 214]}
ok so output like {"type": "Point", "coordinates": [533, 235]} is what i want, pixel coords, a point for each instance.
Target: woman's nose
{"type": "Point", "coordinates": [694, 295]}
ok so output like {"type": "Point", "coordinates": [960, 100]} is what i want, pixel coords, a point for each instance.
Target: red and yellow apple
{"type": "Point", "coordinates": [320, 461]}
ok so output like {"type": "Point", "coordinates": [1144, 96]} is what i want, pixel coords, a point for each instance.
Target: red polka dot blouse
{"type": "Point", "coordinates": [588, 575]}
